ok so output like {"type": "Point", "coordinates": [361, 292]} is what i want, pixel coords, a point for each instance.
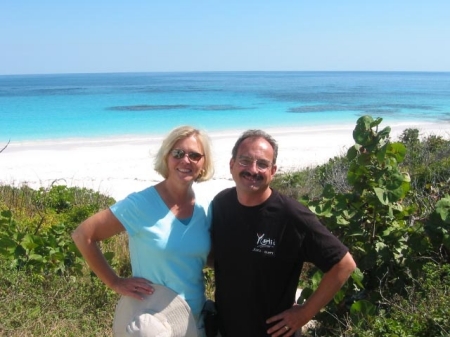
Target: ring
{"type": "Point", "coordinates": [286, 328]}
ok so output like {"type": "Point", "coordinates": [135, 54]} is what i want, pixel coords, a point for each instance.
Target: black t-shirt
{"type": "Point", "coordinates": [259, 253]}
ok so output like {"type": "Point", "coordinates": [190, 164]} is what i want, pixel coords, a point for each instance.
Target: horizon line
{"type": "Point", "coordinates": [227, 71]}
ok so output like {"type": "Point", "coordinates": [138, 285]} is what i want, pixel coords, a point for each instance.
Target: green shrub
{"type": "Point", "coordinates": [45, 287]}
{"type": "Point", "coordinates": [54, 306]}
{"type": "Point", "coordinates": [296, 184]}
{"type": "Point", "coordinates": [43, 245]}
{"type": "Point", "coordinates": [389, 240]}
{"type": "Point", "coordinates": [423, 311]}
{"type": "Point", "coordinates": [49, 251]}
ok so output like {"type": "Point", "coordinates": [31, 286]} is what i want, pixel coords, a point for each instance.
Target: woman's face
{"type": "Point", "coordinates": [186, 159]}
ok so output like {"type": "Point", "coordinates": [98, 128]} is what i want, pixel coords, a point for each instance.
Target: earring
{"type": "Point", "coordinates": [201, 174]}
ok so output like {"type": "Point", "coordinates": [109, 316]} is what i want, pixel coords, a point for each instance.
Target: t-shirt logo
{"type": "Point", "coordinates": [264, 245]}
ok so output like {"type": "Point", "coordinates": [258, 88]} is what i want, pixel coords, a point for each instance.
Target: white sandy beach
{"type": "Point", "coordinates": [119, 166]}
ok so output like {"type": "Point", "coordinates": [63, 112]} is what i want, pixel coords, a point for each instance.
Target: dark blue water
{"type": "Point", "coordinates": [37, 107]}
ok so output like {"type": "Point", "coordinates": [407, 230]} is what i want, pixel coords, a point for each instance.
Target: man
{"type": "Point", "coordinates": [261, 239]}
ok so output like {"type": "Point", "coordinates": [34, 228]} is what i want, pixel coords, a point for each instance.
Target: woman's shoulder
{"type": "Point", "coordinates": [138, 197]}
{"type": "Point", "coordinates": [145, 193]}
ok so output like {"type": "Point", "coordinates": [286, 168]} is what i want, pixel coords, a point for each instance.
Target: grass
{"type": "Point", "coordinates": [52, 305]}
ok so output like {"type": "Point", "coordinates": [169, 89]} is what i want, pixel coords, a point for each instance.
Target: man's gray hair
{"type": "Point", "coordinates": [256, 134]}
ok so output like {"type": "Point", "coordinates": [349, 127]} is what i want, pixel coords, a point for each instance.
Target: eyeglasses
{"type": "Point", "coordinates": [261, 164]}
{"type": "Point", "coordinates": [192, 156]}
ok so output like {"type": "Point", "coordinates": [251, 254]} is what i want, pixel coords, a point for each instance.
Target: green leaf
{"type": "Point", "coordinates": [58, 256]}
{"type": "Point", "coordinates": [322, 209]}
{"type": "Point", "coordinates": [375, 122]}
{"type": "Point", "coordinates": [381, 153]}
{"type": "Point", "coordinates": [362, 134]}
{"type": "Point", "coordinates": [381, 195]}
{"type": "Point", "coordinates": [394, 181]}
{"type": "Point", "coordinates": [446, 241]}
{"type": "Point", "coordinates": [357, 277]}
{"type": "Point", "coordinates": [385, 132]}
{"type": "Point", "coordinates": [6, 242]}
{"type": "Point", "coordinates": [28, 242]}
{"type": "Point", "coordinates": [109, 256]}
{"type": "Point", "coordinates": [352, 153]}
{"type": "Point", "coordinates": [443, 209]}
{"type": "Point", "coordinates": [364, 159]}
{"type": "Point", "coordinates": [306, 292]}
{"type": "Point", "coordinates": [396, 195]}
{"type": "Point", "coordinates": [341, 220]}
{"type": "Point", "coordinates": [379, 246]}
{"type": "Point", "coordinates": [406, 178]}
{"type": "Point", "coordinates": [398, 150]}
{"type": "Point", "coordinates": [6, 214]}
{"type": "Point", "coordinates": [328, 192]}
{"type": "Point", "coordinates": [339, 296]}
{"type": "Point", "coordinates": [316, 278]}
{"type": "Point", "coordinates": [36, 257]}
{"type": "Point", "coordinates": [363, 307]}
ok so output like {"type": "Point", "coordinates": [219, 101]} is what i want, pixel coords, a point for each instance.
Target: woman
{"type": "Point", "coordinates": [167, 226]}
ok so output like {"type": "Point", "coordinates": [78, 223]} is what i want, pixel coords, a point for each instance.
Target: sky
{"type": "Point", "coordinates": [98, 36]}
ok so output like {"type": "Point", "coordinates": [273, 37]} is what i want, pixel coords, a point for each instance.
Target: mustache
{"type": "Point", "coordinates": [246, 174]}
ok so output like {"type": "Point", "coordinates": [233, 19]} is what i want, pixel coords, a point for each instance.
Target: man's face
{"type": "Point", "coordinates": [252, 169]}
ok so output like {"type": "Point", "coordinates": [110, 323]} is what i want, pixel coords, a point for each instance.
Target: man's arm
{"type": "Point", "coordinates": [297, 316]}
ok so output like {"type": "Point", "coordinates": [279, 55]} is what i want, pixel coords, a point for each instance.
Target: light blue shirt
{"type": "Point", "coordinates": [163, 249]}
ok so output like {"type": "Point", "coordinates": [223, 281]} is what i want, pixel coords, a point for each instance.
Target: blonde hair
{"type": "Point", "coordinates": [174, 136]}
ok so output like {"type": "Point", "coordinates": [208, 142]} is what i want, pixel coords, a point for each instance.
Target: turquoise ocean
{"type": "Point", "coordinates": [46, 107]}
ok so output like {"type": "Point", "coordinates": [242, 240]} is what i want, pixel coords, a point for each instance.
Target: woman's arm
{"type": "Point", "coordinates": [98, 227]}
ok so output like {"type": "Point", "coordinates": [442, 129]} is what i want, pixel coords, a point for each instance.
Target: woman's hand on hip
{"type": "Point", "coordinates": [134, 287]}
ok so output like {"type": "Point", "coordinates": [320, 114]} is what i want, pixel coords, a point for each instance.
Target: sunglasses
{"type": "Point", "coordinates": [192, 156]}
{"type": "Point", "coordinates": [261, 164]}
